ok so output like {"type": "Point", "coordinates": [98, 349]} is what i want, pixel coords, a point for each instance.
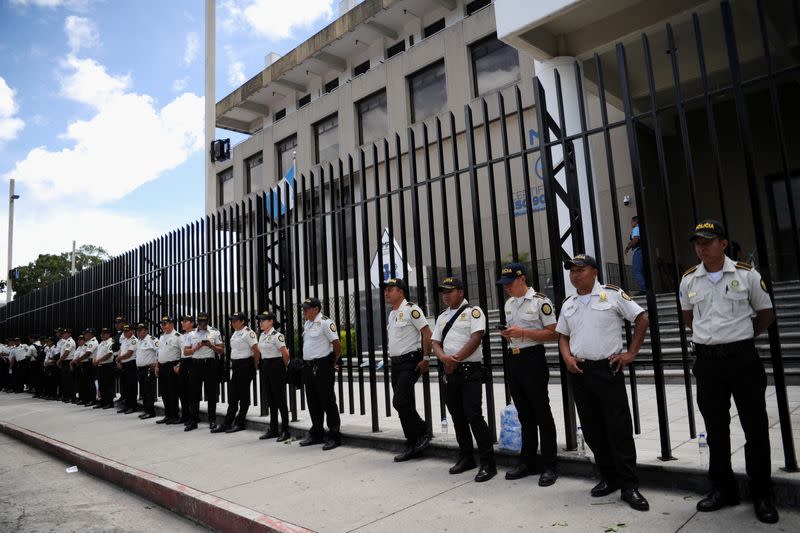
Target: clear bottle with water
{"type": "Point", "coordinates": [581, 442]}
{"type": "Point", "coordinates": [702, 449]}
{"type": "Point", "coordinates": [444, 427]}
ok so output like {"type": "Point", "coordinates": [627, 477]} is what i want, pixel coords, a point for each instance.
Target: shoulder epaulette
{"type": "Point", "coordinates": [540, 295]}
{"type": "Point", "coordinates": [744, 266]}
{"type": "Point", "coordinates": [689, 271]}
{"type": "Point", "coordinates": [566, 300]}
{"type": "Point", "coordinates": [613, 288]}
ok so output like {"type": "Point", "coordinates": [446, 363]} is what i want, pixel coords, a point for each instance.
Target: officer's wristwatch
{"type": "Point", "coordinates": [426, 357]}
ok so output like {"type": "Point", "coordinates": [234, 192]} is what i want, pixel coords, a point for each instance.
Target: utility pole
{"type": "Point", "coordinates": [11, 198]}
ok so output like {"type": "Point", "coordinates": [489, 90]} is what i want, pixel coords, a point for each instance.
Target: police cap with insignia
{"type": "Point", "coordinates": [580, 260]}
{"type": "Point", "coordinates": [396, 282]}
{"type": "Point", "coordinates": [105, 330]}
{"type": "Point", "coordinates": [202, 317]}
{"type": "Point", "coordinates": [167, 318]}
{"type": "Point", "coordinates": [510, 272]}
{"type": "Point", "coordinates": [140, 326]}
{"type": "Point", "coordinates": [67, 330]}
{"type": "Point", "coordinates": [89, 330]}
{"type": "Point", "coordinates": [266, 315]}
{"type": "Point", "coordinates": [308, 303]}
{"type": "Point", "coordinates": [708, 229]}
{"type": "Point", "coordinates": [119, 319]}
{"type": "Point", "coordinates": [450, 283]}
{"type": "Point", "coordinates": [187, 318]}
{"type": "Point", "coordinates": [126, 327]}
{"type": "Point", "coordinates": [238, 315]}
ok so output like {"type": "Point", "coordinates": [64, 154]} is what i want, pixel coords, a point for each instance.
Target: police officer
{"type": "Point", "coordinates": [116, 337]}
{"type": "Point", "coordinates": [409, 343]}
{"type": "Point", "coordinates": [104, 368]}
{"type": "Point", "coordinates": [591, 346]}
{"type": "Point", "coordinates": [244, 362]}
{"type": "Point", "coordinates": [88, 391]}
{"type": "Point", "coordinates": [5, 364]}
{"type": "Point", "coordinates": [50, 376]}
{"type": "Point", "coordinates": [727, 304]}
{"type": "Point", "coordinates": [75, 369]}
{"type": "Point", "coordinates": [126, 363]}
{"type": "Point", "coordinates": [457, 338]}
{"type": "Point", "coordinates": [530, 322]}
{"type": "Point", "coordinates": [184, 370]}
{"type": "Point", "coordinates": [170, 348]}
{"type": "Point", "coordinates": [146, 363]}
{"type": "Point", "coordinates": [321, 350]}
{"type": "Point", "coordinates": [64, 362]}
{"type": "Point", "coordinates": [274, 360]}
{"type": "Point", "coordinates": [205, 346]}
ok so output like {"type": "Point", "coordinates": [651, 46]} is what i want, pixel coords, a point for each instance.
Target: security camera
{"type": "Point", "coordinates": [626, 200]}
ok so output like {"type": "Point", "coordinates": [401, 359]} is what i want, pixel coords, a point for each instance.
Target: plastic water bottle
{"type": "Point", "coordinates": [581, 441]}
{"type": "Point", "coordinates": [702, 449]}
{"type": "Point", "coordinates": [444, 425]}
{"type": "Point", "coordinates": [510, 429]}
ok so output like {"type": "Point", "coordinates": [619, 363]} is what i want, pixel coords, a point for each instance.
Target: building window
{"type": "Point", "coordinates": [331, 85]}
{"type": "Point", "coordinates": [476, 5]}
{"type": "Point", "coordinates": [435, 27]}
{"type": "Point", "coordinates": [396, 49]}
{"type": "Point", "coordinates": [428, 92]}
{"type": "Point", "coordinates": [304, 101]}
{"type": "Point", "coordinates": [372, 118]}
{"type": "Point", "coordinates": [361, 69]}
{"type": "Point", "coordinates": [326, 137]}
{"type": "Point", "coordinates": [494, 65]}
{"type": "Point", "coordinates": [225, 182]}
{"type": "Point", "coordinates": [285, 150]}
{"type": "Point", "coordinates": [279, 115]}
{"type": "Point", "coordinates": [253, 168]}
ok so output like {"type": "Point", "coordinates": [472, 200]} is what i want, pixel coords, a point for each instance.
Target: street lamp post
{"type": "Point", "coordinates": [11, 198]}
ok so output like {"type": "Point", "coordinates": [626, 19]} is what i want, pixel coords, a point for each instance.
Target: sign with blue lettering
{"type": "Point", "coordinates": [536, 202]}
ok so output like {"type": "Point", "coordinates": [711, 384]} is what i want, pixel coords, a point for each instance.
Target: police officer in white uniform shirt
{"type": "Point", "coordinates": [457, 340]}
{"type": "Point", "coordinates": [727, 304]}
{"type": "Point", "coordinates": [104, 368]}
{"type": "Point", "coordinates": [87, 390]}
{"type": "Point", "coordinates": [591, 345]}
{"type": "Point", "coordinates": [530, 321]}
{"type": "Point", "coordinates": [205, 347]}
{"type": "Point", "coordinates": [409, 343]}
{"type": "Point", "coordinates": [67, 354]}
{"type": "Point", "coordinates": [126, 361]}
{"type": "Point", "coordinates": [146, 363]}
{"type": "Point", "coordinates": [274, 359]}
{"type": "Point", "coordinates": [244, 362]}
{"type": "Point", "coordinates": [170, 348]}
{"type": "Point", "coordinates": [184, 371]}
{"type": "Point", "coordinates": [321, 349]}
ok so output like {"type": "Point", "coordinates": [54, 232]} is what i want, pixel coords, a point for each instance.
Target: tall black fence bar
{"type": "Point", "coordinates": [689, 134]}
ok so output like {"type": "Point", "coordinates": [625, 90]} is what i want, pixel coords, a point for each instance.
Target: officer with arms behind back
{"type": "Point", "coordinates": [530, 322]}
{"type": "Point", "coordinates": [104, 365]}
{"type": "Point", "coordinates": [591, 345]}
{"type": "Point", "coordinates": [146, 364]}
{"type": "Point", "coordinates": [457, 344]}
{"type": "Point", "coordinates": [274, 359]}
{"type": "Point", "coordinates": [244, 361]}
{"type": "Point", "coordinates": [170, 348]}
{"type": "Point", "coordinates": [126, 362]}
{"type": "Point", "coordinates": [409, 341]}
{"type": "Point", "coordinates": [727, 304]}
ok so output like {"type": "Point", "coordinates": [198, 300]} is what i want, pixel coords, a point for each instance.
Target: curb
{"type": "Point", "coordinates": [205, 509]}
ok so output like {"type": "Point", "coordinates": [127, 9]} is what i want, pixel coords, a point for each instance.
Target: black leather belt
{"type": "Point", "coordinates": [467, 368]}
{"type": "Point", "coordinates": [537, 349]}
{"type": "Point", "coordinates": [723, 351]}
{"type": "Point", "coordinates": [591, 363]}
{"type": "Point", "coordinates": [406, 357]}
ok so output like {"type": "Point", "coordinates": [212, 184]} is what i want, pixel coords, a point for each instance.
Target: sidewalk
{"type": "Point", "coordinates": [347, 489]}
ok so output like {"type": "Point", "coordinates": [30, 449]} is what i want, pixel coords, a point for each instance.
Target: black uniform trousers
{"type": "Point", "coordinates": [147, 386]}
{"type": "Point", "coordinates": [528, 377]}
{"type": "Point", "coordinates": [86, 389]}
{"type": "Point", "coordinates": [185, 390]}
{"type": "Point", "coordinates": [168, 387]}
{"type": "Point", "coordinates": [20, 375]}
{"type": "Point", "coordinates": [204, 375]}
{"type": "Point", "coordinates": [318, 378]}
{"type": "Point", "coordinates": [464, 398]}
{"type": "Point", "coordinates": [67, 381]}
{"type": "Point", "coordinates": [404, 376]}
{"type": "Point", "coordinates": [274, 370]}
{"type": "Point", "coordinates": [105, 382]}
{"type": "Point", "coordinates": [734, 370]}
{"type": "Point", "coordinates": [52, 380]}
{"type": "Point", "coordinates": [5, 379]}
{"type": "Point", "coordinates": [602, 403]}
{"type": "Point", "coordinates": [244, 371]}
{"type": "Point", "coordinates": [36, 377]}
{"type": "Point", "coordinates": [128, 383]}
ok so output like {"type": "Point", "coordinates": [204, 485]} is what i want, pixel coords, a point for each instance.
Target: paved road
{"type": "Point", "coordinates": [36, 494]}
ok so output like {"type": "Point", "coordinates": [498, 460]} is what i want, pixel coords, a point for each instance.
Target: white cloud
{"type": "Point", "coordinates": [236, 75]}
{"type": "Point", "coordinates": [273, 19]}
{"type": "Point", "coordinates": [10, 125]}
{"type": "Point", "coordinates": [126, 143]}
{"type": "Point", "coordinates": [81, 33]}
{"type": "Point", "coordinates": [192, 48]}
{"type": "Point", "coordinates": [180, 85]}
{"type": "Point", "coordinates": [69, 4]}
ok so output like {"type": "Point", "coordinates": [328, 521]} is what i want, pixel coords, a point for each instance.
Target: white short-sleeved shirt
{"type": "Point", "coordinates": [68, 346]}
{"type": "Point", "coordinates": [594, 324]}
{"type": "Point", "coordinates": [723, 311]}
{"type": "Point", "coordinates": [318, 336]}
{"type": "Point", "coordinates": [104, 348]}
{"type": "Point", "coordinates": [241, 343]}
{"type": "Point", "coordinates": [211, 334]}
{"type": "Point", "coordinates": [170, 347]}
{"type": "Point", "coordinates": [127, 344]}
{"type": "Point", "coordinates": [80, 351]}
{"type": "Point", "coordinates": [470, 320]}
{"type": "Point", "coordinates": [33, 352]}
{"type": "Point", "coordinates": [146, 351]}
{"type": "Point", "coordinates": [186, 342]}
{"type": "Point", "coordinates": [91, 348]}
{"type": "Point", "coordinates": [58, 347]}
{"type": "Point", "coordinates": [270, 344]}
{"type": "Point", "coordinates": [403, 328]}
{"type": "Point", "coordinates": [534, 310]}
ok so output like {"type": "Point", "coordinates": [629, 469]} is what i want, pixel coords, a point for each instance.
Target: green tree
{"type": "Point", "coordinates": [49, 268]}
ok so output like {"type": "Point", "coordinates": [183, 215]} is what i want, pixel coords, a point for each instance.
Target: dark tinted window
{"type": "Point", "coordinates": [372, 119]}
{"type": "Point", "coordinates": [253, 168]}
{"type": "Point", "coordinates": [494, 65]}
{"type": "Point", "coordinates": [279, 114]}
{"type": "Point", "coordinates": [433, 28]}
{"type": "Point", "coordinates": [326, 133]}
{"type": "Point", "coordinates": [428, 92]}
{"type": "Point", "coordinates": [225, 182]}
{"type": "Point", "coordinates": [361, 69]}
{"type": "Point", "coordinates": [475, 5]}
{"type": "Point", "coordinates": [304, 101]}
{"type": "Point", "coordinates": [284, 151]}
{"type": "Point", "coordinates": [396, 49]}
{"type": "Point", "coordinates": [331, 85]}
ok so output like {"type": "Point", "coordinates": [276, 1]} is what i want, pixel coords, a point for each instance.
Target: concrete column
{"type": "Point", "coordinates": [210, 104]}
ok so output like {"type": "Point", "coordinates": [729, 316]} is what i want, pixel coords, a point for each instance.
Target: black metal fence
{"type": "Point", "coordinates": [445, 191]}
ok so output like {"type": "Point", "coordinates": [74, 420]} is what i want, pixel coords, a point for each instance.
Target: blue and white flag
{"type": "Point", "coordinates": [277, 195]}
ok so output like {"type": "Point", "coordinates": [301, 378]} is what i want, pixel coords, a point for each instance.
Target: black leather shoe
{"type": "Point", "coordinates": [212, 426]}
{"type": "Point", "coordinates": [485, 473]}
{"type": "Point", "coordinates": [190, 427]}
{"type": "Point", "coordinates": [108, 406]}
{"type": "Point", "coordinates": [122, 410]}
{"type": "Point", "coordinates": [219, 429]}
{"type": "Point", "coordinates": [284, 437]}
{"type": "Point", "coordinates": [162, 420]}
{"type": "Point", "coordinates": [271, 434]}
{"type": "Point", "coordinates": [98, 406]}
{"type": "Point", "coordinates": [765, 509]}
{"type": "Point", "coordinates": [463, 464]}
{"type": "Point", "coordinates": [234, 428]}
{"type": "Point", "coordinates": [171, 422]}
{"type": "Point", "coordinates": [635, 499]}
{"type": "Point", "coordinates": [422, 444]}
{"type": "Point", "coordinates": [330, 444]}
{"type": "Point", "coordinates": [518, 472]}
{"type": "Point", "coordinates": [603, 489]}
{"type": "Point", "coordinates": [128, 411]}
{"type": "Point", "coordinates": [407, 454]}
{"type": "Point", "coordinates": [145, 416]}
{"type": "Point", "coordinates": [547, 478]}
{"type": "Point", "coordinates": [310, 441]}
{"type": "Point", "coordinates": [716, 500]}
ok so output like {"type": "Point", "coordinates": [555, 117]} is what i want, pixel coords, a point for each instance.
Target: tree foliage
{"type": "Point", "coordinates": [49, 268]}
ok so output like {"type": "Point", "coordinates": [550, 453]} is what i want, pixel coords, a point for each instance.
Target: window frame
{"type": "Point", "coordinates": [316, 126]}
{"type": "Point", "coordinates": [375, 95]}
{"type": "Point", "coordinates": [279, 152]}
{"type": "Point", "coordinates": [248, 168]}
{"type": "Point", "coordinates": [472, 60]}
{"type": "Point", "coordinates": [223, 177]}
{"type": "Point", "coordinates": [409, 79]}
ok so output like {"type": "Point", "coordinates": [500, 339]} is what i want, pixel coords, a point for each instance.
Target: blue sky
{"type": "Point", "coordinates": [101, 110]}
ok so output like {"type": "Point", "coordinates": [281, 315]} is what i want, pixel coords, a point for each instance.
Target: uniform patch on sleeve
{"type": "Point", "coordinates": [415, 314]}
{"type": "Point", "coordinates": [547, 309]}
{"type": "Point", "coordinates": [625, 296]}
{"type": "Point", "coordinates": [333, 327]}
{"type": "Point", "coordinates": [281, 338]}
{"type": "Point", "coordinates": [476, 313]}
{"type": "Point", "coordinates": [764, 285]}
{"type": "Point", "coordinates": [252, 334]}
